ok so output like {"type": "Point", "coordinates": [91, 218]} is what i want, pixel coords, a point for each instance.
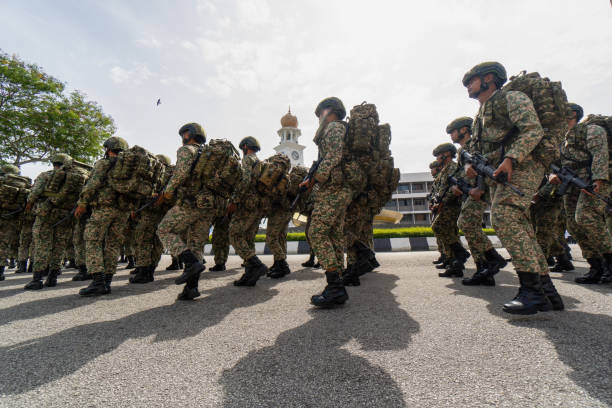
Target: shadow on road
{"type": "Point", "coordinates": [309, 366]}
{"type": "Point", "coordinates": [582, 340]}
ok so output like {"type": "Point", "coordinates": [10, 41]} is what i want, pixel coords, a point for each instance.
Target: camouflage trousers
{"type": "Point", "coordinates": [128, 247]}
{"type": "Point", "coordinates": [221, 240]}
{"type": "Point", "coordinates": [586, 222]}
{"type": "Point", "coordinates": [559, 242]}
{"type": "Point", "coordinates": [276, 233]}
{"type": "Point", "coordinates": [104, 235]}
{"type": "Point", "coordinates": [445, 227]}
{"type": "Point", "coordinates": [147, 246]}
{"type": "Point", "coordinates": [50, 243]}
{"type": "Point", "coordinates": [545, 215]}
{"type": "Point", "coordinates": [470, 222]}
{"type": "Point", "coordinates": [512, 221]}
{"type": "Point", "coordinates": [243, 229]}
{"type": "Point", "coordinates": [327, 226]}
{"type": "Point", "coordinates": [185, 227]}
{"type": "Point", "coordinates": [440, 246]}
{"type": "Point", "coordinates": [69, 251]}
{"type": "Point", "coordinates": [78, 239]}
{"type": "Point", "coordinates": [25, 238]}
{"type": "Point", "coordinates": [9, 231]}
{"type": "Point", "coordinates": [358, 226]}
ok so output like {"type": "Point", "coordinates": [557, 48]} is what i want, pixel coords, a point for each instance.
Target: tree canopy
{"type": "Point", "coordinates": [38, 118]}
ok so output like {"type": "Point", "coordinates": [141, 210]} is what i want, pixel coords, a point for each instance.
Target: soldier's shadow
{"type": "Point", "coordinates": [310, 365]}
{"type": "Point", "coordinates": [581, 339]}
{"type": "Point", "coordinates": [50, 358]}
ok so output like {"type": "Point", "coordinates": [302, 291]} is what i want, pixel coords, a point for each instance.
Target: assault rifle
{"type": "Point", "coordinates": [480, 165]}
{"type": "Point", "coordinates": [463, 185]}
{"type": "Point", "coordinates": [9, 215]}
{"type": "Point", "coordinates": [309, 176]}
{"type": "Point", "coordinates": [147, 204]}
{"type": "Point", "coordinates": [569, 178]}
{"type": "Point", "coordinates": [66, 218]}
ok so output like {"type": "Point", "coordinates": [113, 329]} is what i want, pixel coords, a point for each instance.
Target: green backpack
{"type": "Point", "coordinates": [272, 175]}
{"type": "Point", "coordinates": [64, 186]}
{"type": "Point", "coordinates": [136, 173]}
{"type": "Point", "coordinates": [600, 120]}
{"type": "Point", "coordinates": [14, 191]}
{"type": "Point", "coordinates": [218, 167]}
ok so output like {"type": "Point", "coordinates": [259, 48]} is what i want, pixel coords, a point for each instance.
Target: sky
{"type": "Point", "coordinates": [236, 66]}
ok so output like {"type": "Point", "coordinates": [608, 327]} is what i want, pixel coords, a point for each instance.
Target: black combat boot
{"type": "Point", "coordinates": [130, 262]}
{"type": "Point", "coordinates": [316, 265]}
{"type": "Point", "coordinates": [254, 270]}
{"type": "Point", "coordinates": [174, 266]}
{"type": "Point", "coordinates": [71, 264]}
{"type": "Point", "coordinates": [190, 291]}
{"type": "Point", "coordinates": [606, 277]}
{"type": "Point", "coordinates": [36, 283]}
{"type": "Point", "coordinates": [144, 275]}
{"type": "Point", "coordinates": [45, 271]}
{"type": "Point", "coordinates": [440, 260]}
{"type": "Point", "coordinates": [310, 262]}
{"type": "Point", "coordinates": [350, 276]}
{"type": "Point", "coordinates": [218, 268]}
{"type": "Point", "coordinates": [108, 279]}
{"type": "Point", "coordinates": [2, 273]}
{"type": "Point", "coordinates": [480, 277]}
{"type": "Point", "coordinates": [445, 263]}
{"type": "Point", "coordinates": [22, 266]}
{"type": "Point", "coordinates": [82, 274]}
{"type": "Point", "coordinates": [192, 266]}
{"type": "Point", "coordinates": [12, 263]}
{"type": "Point", "coordinates": [334, 293]}
{"type": "Point", "coordinates": [136, 270]}
{"type": "Point", "coordinates": [530, 298]}
{"type": "Point", "coordinates": [51, 280]}
{"type": "Point", "coordinates": [594, 273]}
{"type": "Point", "coordinates": [373, 261]}
{"type": "Point", "coordinates": [456, 266]}
{"type": "Point", "coordinates": [551, 293]}
{"type": "Point", "coordinates": [562, 264]}
{"type": "Point", "coordinates": [281, 270]}
{"type": "Point", "coordinates": [550, 261]}
{"type": "Point", "coordinates": [495, 262]}
{"type": "Point", "coordinates": [97, 287]}
{"type": "Point", "coordinates": [272, 268]}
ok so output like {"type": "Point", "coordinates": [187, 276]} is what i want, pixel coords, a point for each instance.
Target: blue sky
{"type": "Point", "coordinates": [235, 66]}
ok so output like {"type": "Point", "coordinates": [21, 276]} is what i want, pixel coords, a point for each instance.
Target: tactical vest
{"type": "Point", "coordinates": [14, 191]}
{"type": "Point", "coordinates": [271, 175]}
{"type": "Point", "coordinates": [577, 141]}
{"type": "Point", "coordinates": [135, 173]}
{"type": "Point", "coordinates": [64, 186]}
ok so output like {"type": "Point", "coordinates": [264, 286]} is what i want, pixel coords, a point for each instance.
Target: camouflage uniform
{"type": "Point", "coordinates": [276, 232]}
{"type": "Point", "coordinates": [221, 240]}
{"type": "Point", "coordinates": [78, 239]}
{"type": "Point", "coordinates": [358, 226]}
{"type": "Point", "coordinates": [332, 199]}
{"type": "Point", "coordinates": [25, 237]}
{"type": "Point", "coordinates": [445, 224]}
{"type": "Point", "coordinates": [586, 151]}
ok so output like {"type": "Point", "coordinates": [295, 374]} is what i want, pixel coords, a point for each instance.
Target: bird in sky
{"type": "Point", "coordinates": [158, 101]}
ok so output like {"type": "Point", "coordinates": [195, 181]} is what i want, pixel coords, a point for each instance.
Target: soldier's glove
{"type": "Point", "coordinates": [162, 198]}
{"type": "Point", "coordinates": [80, 210]}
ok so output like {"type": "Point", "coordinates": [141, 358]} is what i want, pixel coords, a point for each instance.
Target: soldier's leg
{"type": "Point", "coordinates": [221, 242]}
{"type": "Point", "coordinates": [60, 238]}
{"type": "Point", "coordinates": [558, 243]}
{"type": "Point", "coordinates": [43, 244]}
{"type": "Point", "coordinates": [78, 238]}
{"type": "Point", "coordinates": [278, 225]}
{"type": "Point", "coordinates": [25, 243]}
{"type": "Point", "coordinates": [243, 229]}
{"type": "Point", "coordinates": [445, 226]}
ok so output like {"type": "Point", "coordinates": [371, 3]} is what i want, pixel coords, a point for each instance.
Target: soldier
{"type": "Point", "coordinates": [331, 201]}
{"type": "Point", "coordinates": [129, 244]}
{"type": "Point", "coordinates": [307, 211]}
{"type": "Point", "coordinates": [586, 151]}
{"type": "Point", "coordinates": [52, 198]}
{"type": "Point", "coordinates": [106, 226]}
{"type": "Point", "coordinates": [506, 131]}
{"type": "Point", "coordinates": [192, 215]}
{"type": "Point", "coordinates": [25, 242]}
{"type": "Point", "coordinates": [447, 207]}
{"type": "Point", "coordinates": [78, 239]}
{"type": "Point", "coordinates": [220, 243]}
{"type": "Point", "coordinates": [247, 208]}
{"type": "Point", "coordinates": [147, 246]}
{"type": "Point", "coordinates": [488, 261]}
{"type": "Point", "coordinates": [279, 217]}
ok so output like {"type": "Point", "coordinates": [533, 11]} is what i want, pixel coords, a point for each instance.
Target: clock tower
{"type": "Point", "coordinates": [289, 135]}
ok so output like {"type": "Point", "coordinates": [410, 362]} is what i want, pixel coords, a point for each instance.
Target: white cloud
{"type": "Point", "coordinates": [137, 75]}
{"type": "Point", "coordinates": [253, 12]}
{"type": "Point", "coordinates": [149, 42]}
{"type": "Point", "coordinates": [119, 75]}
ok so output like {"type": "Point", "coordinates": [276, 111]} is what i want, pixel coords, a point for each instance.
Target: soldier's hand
{"type": "Point", "coordinates": [554, 179]}
{"type": "Point", "coordinates": [456, 191]}
{"type": "Point", "coordinates": [504, 167]}
{"type": "Point", "coordinates": [470, 172]}
{"type": "Point", "coordinates": [80, 210]}
{"type": "Point", "coordinates": [598, 185]}
{"type": "Point", "coordinates": [476, 193]}
{"type": "Point", "coordinates": [29, 206]}
{"type": "Point", "coordinates": [307, 184]}
{"type": "Point", "coordinates": [163, 197]}
{"type": "Point", "coordinates": [536, 197]}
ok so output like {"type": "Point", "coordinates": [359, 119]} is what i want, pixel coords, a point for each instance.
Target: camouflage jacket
{"type": "Point", "coordinates": [97, 191]}
{"type": "Point", "coordinates": [444, 193]}
{"type": "Point", "coordinates": [513, 135]}
{"type": "Point", "coordinates": [586, 151]}
{"type": "Point", "coordinates": [185, 156]}
{"type": "Point", "coordinates": [330, 141]}
{"type": "Point", "coordinates": [38, 188]}
{"type": "Point", "coordinates": [249, 162]}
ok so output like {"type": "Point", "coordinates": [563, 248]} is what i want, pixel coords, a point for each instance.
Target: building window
{"type": "Point", "coordinates": [403, 187]}
{"type": "Point", "coordinates": [391, 205]}
{"type": "Point", "coordinates": [420, 217]}
{"type": "Point", "coordinates": [419, 201]}
{"type": "Point", "coordinates": [418, 187]}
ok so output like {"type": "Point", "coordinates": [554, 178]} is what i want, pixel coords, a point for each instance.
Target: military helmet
{"type": "Point", "coordinates": [459, 123]}
{"type": "Point", "coordinates": [62, 158]}
{"type": "Point", "coordinates": [194, 129]}
{"type": "Point", "coordinates": [445, 147]}
{"type": "Point", "coordinates": [484, 68]}
{"type": "Point", "coordinates": [332, 103]}
{"type": "Point", "coordinates": [250, 142]}
{"type": "Point", "coordinates": [116, 143]}
{"type": "Point", "coordinates": [434, 164]}
{"type": "Point", "coordinates": [10, 169]}
{"type": "Point", "coordinates": [578, 109]}
{"type": "Point", "coordinates": [164, 159]}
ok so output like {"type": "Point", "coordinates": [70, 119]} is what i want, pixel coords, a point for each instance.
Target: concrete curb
{"type": "Point", "coordinates": [380, 245]}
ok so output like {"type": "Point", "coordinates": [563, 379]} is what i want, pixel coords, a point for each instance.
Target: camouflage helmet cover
{"type": "Point", "coordinates": [484, 68]}
{"type": "Point", "coordinates": [459, 123]}
{"type": "Point", "coordinates": [63, 158]}
{"type": "Point", "coordinates": [164, 159]}
{"type": "Point", "coordinates": [332, 103]}
{"type": "Point", "coordinates": [250, 142]}
{"type": "Point", "coordinates": [445, 147]}
{"type": "Point", "coordinates": [10, 169]}
{"type": "Point", "coordinates": [578, 109]}
{"type": "Point", "coordinates": [194, 129]}
{"type": "Point", "coordinates": [434, 164]}
{"type": "Point", "coordinates": [116, 143]}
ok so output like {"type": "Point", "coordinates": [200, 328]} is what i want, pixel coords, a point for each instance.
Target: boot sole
{"type": "Point", "coordinates": [184, 278]}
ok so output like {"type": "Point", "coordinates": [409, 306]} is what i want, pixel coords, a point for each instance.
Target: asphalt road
{"type": "Point", "coordinates": [405, 338]}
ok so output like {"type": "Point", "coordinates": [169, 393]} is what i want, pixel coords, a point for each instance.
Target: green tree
{"type": "Point", "coordinates": [37, 118]}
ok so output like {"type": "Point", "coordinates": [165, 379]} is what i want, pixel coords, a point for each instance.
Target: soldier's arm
{"type": "Point", "coordinates": [332, 144]}
{"type": "Point", "coordinates": [38, 188]}
{"type": "Point", "coordinates": [95, 182]}
{"type": "Point", "coordinates": [597, 145]}
{"type": "Point", "coordinates": [452, 170]}
{"type": "Point", "coordinates": [248, 162]}
{"type": "Point", "coordinates": [184, 160]}
{"type": "Point", "coordinates": [523, 115]}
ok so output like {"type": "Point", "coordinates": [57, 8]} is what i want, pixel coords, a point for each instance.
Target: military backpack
{"type": "Point", "coordinates": [271, 175]}
{"type": "Point", "coordinates": [64, 186]}
{"type": "Point", "coordinates": [218, 167]}
{"type": "Point", "coordinates": [14, 191]}
{"type": "Point", "coordinates": [600, 120]}
{"type": "Point", "coordinates": [136, 173]}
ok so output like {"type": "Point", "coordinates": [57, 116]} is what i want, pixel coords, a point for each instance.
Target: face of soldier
{"type": "Point", "coordinates": [572, 121]}
{"type": "Point", "coordinates": [186, 137]}
{"type": "Point", "coordinates": [323, 116]}
{"type": "Point", "coordinates": [57, 165]}
{"type": "Point", "coordinates": [473, 87]}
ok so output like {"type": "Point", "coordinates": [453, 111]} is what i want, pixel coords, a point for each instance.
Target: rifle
{"type": "Point", "coordinates": [66, 218]}
{"type": "Point", "coordinates": [480, 165]}
{"type": "Point", "coordinates": [9, 215]}
{"type": "Point", "coordinates": [568, 177]}
{"type": "Point", "coordinates": [309, 176]}
{"type": "Point", "coordinates": [463, 185]}
{"type": "Point", "coordinates": [147, 204]}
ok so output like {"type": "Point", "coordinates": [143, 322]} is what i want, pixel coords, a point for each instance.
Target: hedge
{"type": "Point", "coordinates": [378, 233]}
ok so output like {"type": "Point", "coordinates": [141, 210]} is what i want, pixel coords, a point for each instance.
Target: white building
{"type": "Point", "coordinates": [289, 135]}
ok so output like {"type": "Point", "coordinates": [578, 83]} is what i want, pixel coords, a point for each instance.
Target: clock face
{"type": "Point", "coordinates": [295, 155]}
